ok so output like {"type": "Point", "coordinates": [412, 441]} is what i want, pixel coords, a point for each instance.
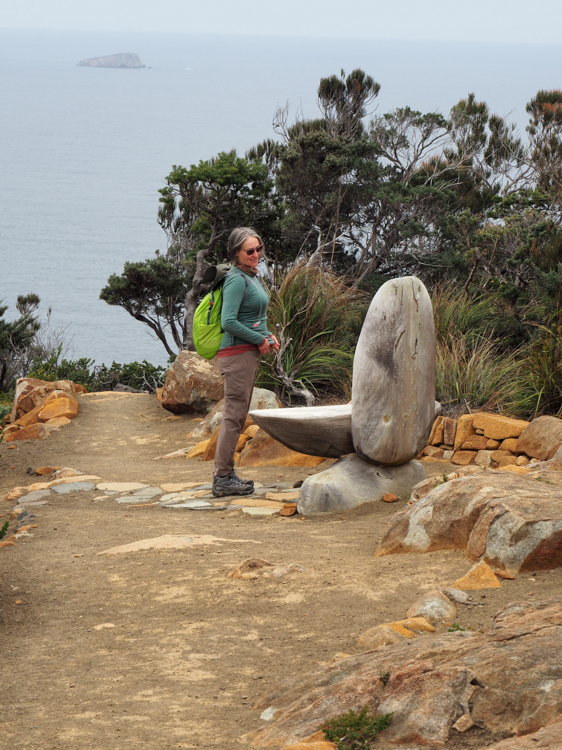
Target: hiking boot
{"type": "Point", "coordinates": [248, 482]}
{"type": "Point", "coordinates": [230, 485]}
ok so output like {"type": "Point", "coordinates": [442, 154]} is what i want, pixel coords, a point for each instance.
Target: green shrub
{"type": "Point", "coordinates": [4, 529]}
{"type": "Point", "coordinates": [142, 376]}
{"type": "Point", "coordinates": [355, 731]}
{"type": "Point", "coordinates": [320, 317]}
{"type": "Point", "coordinates": [55, 368]}
{"type": "Point", "coordinates": [5, 409]}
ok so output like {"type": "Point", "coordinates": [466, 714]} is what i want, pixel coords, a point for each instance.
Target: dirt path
{"type": "Point", "coordinates": [185, 652]}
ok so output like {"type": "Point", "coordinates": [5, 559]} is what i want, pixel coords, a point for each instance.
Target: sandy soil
{"type": "Point", "coordinates": [190, 651]}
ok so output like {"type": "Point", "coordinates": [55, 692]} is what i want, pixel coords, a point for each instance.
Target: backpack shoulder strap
{"type": "Point", "coordinates": [247, 281]}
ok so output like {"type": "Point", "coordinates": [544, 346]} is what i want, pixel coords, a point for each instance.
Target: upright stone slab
{"type": "Point", "coordinates": [352, 481]}
{"type": "Point", "coordinates": [393, 395]}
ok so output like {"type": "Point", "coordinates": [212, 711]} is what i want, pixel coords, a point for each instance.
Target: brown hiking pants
{"type": "Point", "coordinates": [239, 373]}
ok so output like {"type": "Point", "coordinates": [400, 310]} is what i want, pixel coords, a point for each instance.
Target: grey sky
{"type": "Point", "coordinates": [462, 20]}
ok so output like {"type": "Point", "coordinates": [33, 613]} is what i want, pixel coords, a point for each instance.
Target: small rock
{"type": "Point", "coordinates": [483, 458]}
{"type": "Point", "coordinates": [475, 443]}
{"type": "Point", "coordinates": [378, 637]}
{"type": "Point", "coordinates": [14, 494]}
{"type": "Point", "coordinates": [434, 606]}
{"type": "Point", "coordinates": [390, 498]}
{"type": "Point", "coordinates": [198, 450]}
{"type": "Point", "coordinates": [250, 568]}
{"type": "Point", "coordinates": [104, 625]}
{"type": "Point", "coordinates": [456, 595]}
{"type": "Point", "coordinates": [465, 722]}
{"type": "Point", "coordinates": [449, 430]}
{"type": "Point", "coordinates": [481, 576]}
{"type": "Point", "coordinates": [463, 458]}
{"type": "Point", "coordinates": [464, 430]}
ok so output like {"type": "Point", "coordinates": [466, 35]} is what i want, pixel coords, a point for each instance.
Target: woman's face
{"type": "Point", "coordinates": [250, 244]}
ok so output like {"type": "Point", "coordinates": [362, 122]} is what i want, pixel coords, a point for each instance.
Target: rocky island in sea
{"type": "Point", "coordinates": [122, 60]}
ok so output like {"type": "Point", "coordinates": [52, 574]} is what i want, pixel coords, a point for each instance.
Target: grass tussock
{"type": "Point", "coordinates": [320, 317]}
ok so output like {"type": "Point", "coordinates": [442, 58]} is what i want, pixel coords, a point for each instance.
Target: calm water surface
{"type": "Point", "coordinates": [85, 150]}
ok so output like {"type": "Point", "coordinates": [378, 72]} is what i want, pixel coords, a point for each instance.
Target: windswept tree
{"type": "Point", "coordinates": [200, 205]}
{"type": "Point", "coordinates": [16, 339]}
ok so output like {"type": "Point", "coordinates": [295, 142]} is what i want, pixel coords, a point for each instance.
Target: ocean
{"type": "Point", "coordinates": [84, 151]}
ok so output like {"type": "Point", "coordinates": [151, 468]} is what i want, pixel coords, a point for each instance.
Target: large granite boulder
{"type": "Point", "coordinates": [352, 481]}
{"type": "Point", "coordinates": [261, 399]}
{"type": "Point", "coordinates": [393, 395]}
{"type": "Point", "coordinates": [512, 522]}
{"type": "Point", "coordinates": [193, 385]}
{"type": "Point", "coordinates": [316, 430]}
{"type": "Point", "coordinates": [508, 681]}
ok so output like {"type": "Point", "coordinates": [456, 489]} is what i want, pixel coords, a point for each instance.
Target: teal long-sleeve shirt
{"type": "Point", "coordinates": [243, 320]}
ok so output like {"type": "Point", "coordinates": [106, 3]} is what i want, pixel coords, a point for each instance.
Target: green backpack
{"type": "Point", "coordinates": [207, 329]}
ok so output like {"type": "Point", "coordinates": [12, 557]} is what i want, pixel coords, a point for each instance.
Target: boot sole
{"type": "Point", "coordinates": [232, 492]}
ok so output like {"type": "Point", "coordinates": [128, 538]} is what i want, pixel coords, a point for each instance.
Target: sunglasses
{"type": "Point", "coordinates": [253, 250]}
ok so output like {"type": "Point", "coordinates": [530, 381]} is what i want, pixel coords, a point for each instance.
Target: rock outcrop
{"type": "Point", "coordinates": [393, 396]}
{"type": "Point", "coordinates": [41, 406]}
{"type": "Point", "coordinates": [193, 385]}
{"type": "Point", "coordinates": [508, 681]}
{"type": "Point", "coordinates": [511, 522]}
{"type": "Point", "coordinates": [263, 450]}
{"type": "Point", "coordinates": [261, 399]}
{"type": "Point", "coordinates": [316, 430]}
{"type": "Point", "coordinates": [351, 482]}
{"type": "Point", "coordinates": [122, 60]}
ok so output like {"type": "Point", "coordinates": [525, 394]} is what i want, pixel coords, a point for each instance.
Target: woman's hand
{"type": "Point", "coordinates": [264, 347]}
{"type": "Point", "coordinates": [275, 345]}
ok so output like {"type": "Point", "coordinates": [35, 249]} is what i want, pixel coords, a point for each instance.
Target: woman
{"type": "Point", "coordinates": [245, 339]}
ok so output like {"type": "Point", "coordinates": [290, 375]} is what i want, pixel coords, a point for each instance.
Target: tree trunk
{"type": "Point", "coordinates": [193, 295]}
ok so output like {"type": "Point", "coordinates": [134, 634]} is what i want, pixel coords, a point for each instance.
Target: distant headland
{"type": "Point", "coordinates": [123, 60]}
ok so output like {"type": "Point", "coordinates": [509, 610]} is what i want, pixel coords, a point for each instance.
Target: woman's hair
{"type": "Point", "coordinates": [237, 238]}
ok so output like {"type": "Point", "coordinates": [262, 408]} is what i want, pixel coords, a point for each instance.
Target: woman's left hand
{"type": "Point", "coordinates": [275, 345]}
